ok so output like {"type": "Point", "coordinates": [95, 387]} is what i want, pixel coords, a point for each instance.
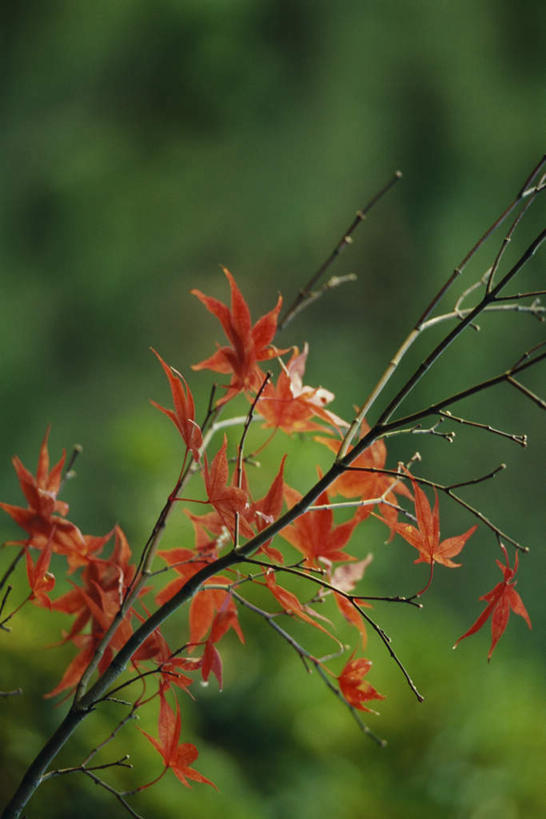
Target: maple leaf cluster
{"type": "Point", "coordinates": [109, 598]}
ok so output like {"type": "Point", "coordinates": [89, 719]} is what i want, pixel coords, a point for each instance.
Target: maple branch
{"type": "Point", "coordinates": [240, 449]}
{"type": "Point", "coordinates": [451, 336]}
{"type": "Point", "coordinates": [447, 488]}
{"type": "Point", "coordinates": [526, 391]}
{"type": "Point", "coordinates": [508, 238]}
{"type": "Point", "coordinates": [415, 332]}
{"type": "Point", "coordinates": [68, 473]}
{"type": "Point", "coordinates": [326, 585]}
{"type": "Point", "coordinates": [11, 568]}
{"type": "Point", "coordinates": [90, 770]}
{"type": "Point", "coordinates": [517, 296]}
{"type": "Point", "coordinates": [305, 295]}
{"type": "Point", "coordinates": [122, 763]}
{"type": "Point", "coordinates": [121, 724]}
{"type": "Point", "coordinates": [517, 438]}
{"type": "Point", "coordinates": [119, 796]}
{"type": "Point", "coordinates": [433, 409]}
{"type": "Point", "coordinates": [150, 547]}
{"type": "Point", "coordinates": [305, 655]}
{"type": "Point", "coordinates": [418, 429]}
{"type": "Point", "coordinates": [353, 599]}
{"type": "Point", "coordinates": [85, 701]}
{"type": "Point", "coordinates": [160, 669]}
{"type": "Point", "coordinates": [7, 593]}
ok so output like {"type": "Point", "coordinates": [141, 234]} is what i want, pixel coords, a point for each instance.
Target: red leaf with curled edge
{"type": "Point", "coordinates": [265, 511]}
{"type": "Point", "coordinates": [183, 416]}
{"type": "Point", "coordinates": [344, 579]}
{"type": "Point", "coordinates": [290, 406]}
{"type": "Point", "coordinates": [227, 500]}
{"type": "Point", "coordinates": [206, 604]}
{"type": "Point", "coordinates": [426, 538]}
{"type": "Point", "coordinates": [186, 563]}
{"type": "Point", "coordinates": [291, 604]}
{"type": "Point", "coordinates": [502, 599]}
{"type": "Point", "coordinates": [40, 579]}
{"type": "Point", "coordinates": [176, 756]}
{"type": "Point", "coordinates": [170, 667]}
{"type": "Point", "coordinates": [354, 687]}
{"type": "Point", "coordinates": [249, 344]}
{"type": "Point", "coordinates": [88, 644]}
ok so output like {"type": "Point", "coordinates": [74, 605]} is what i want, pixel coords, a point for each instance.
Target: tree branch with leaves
{"type": "Point", "coordinates": [246, 550]}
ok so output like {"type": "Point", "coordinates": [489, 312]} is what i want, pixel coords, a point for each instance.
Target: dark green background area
{"type": "Point", "coordinates": [142, 146]}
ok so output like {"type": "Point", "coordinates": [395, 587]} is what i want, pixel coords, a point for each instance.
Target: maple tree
{"type": "Point", "coordinates": [245, 551]}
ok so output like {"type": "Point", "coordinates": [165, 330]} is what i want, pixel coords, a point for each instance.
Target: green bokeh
{"type": "Point", "coordinates": [145, 144]}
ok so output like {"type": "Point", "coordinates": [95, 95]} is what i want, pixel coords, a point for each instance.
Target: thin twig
{"type": "Point", "coordinates": [11, 568]}
{"type": "Point", "coordinates": [540, 402]}
{"type": "Point", "coordinates": [414, 333]}
{"type": "Point", "coordinates": [240, 449]}
{"type": "Point", "coordinates": [518, 438]}
{"type": "Point", "coordinates": [305, 293]}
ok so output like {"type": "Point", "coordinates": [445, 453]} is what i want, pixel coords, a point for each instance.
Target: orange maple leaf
{"type": "Point", "coordinates": [354, 687]}
{"type": "Point", "coordinates": [291, 604]}
{"type": "Point", "coordinates": [227, 500]}
{"type": "Point", "coordinates": [40, 579]}
{"type": "Point", "coordinates": [344, 579]}
{"type": "Point", "coordinates": [177, 757]}
{"type": "Point", "coordinates": [502, 599]}
{"type": "Point", "coordinates": [426, 538]}
{"type": "Point", "coordinates": [249, 344]}
{"type": "Point", "coordinates": [314, 534]}
{"type": "Point", "coordinates": [39, 519]}
{"type": "Point", "coordinates": [183, 416]}
{"type": "Point", "coordinates": [289, 405]}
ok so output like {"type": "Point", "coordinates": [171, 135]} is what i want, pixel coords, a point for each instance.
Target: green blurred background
{"type": "Point", "coordinates": [144, 144]}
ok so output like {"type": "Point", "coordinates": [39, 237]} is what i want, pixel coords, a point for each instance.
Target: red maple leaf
{"type": "Point", "coordinates": [354, 687]}
{"type": "Point", "coordinates": [40, 579]}
{"type": "Point", "coordinates": [289, 405]}
{"type": "Point", "coordinates": [227, 500]}
{"type": "Point", "coordinates": [170, 667]}
{"type": "Point", "coordinates": [291, 604]}
{"type": "Point", "coordinates": [426, 538]}
{"type": "Point", "coordinates": [502, 599]}
{"type": "Point", "coordinates": [177, 757]}
{"type": "Point", "coordinates": [39, 519]}
{"type": "Point", "coordinates": [314, 534]}
{"type": "Point", "coordinates": [249, 344]}
{"type": "Point", "coordinates": [263, 512]}
{"type": "Point", "coordinates": [186, 563]}
{"type": "Point", "coordinates": [183, 416]}
{"type": "Point", "coordinates": [344, 579]}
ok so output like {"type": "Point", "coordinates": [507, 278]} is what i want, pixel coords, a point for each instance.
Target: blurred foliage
{"type": "Point", "coordinates": [143, 145]}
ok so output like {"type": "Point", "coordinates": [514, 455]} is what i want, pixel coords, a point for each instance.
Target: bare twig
{"type": "Point", "coordinates": [11, 568]}
{"type": "Point", "coordinates": [518, 438]}
{"type": "Point", "coordinates": [305, 295]}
